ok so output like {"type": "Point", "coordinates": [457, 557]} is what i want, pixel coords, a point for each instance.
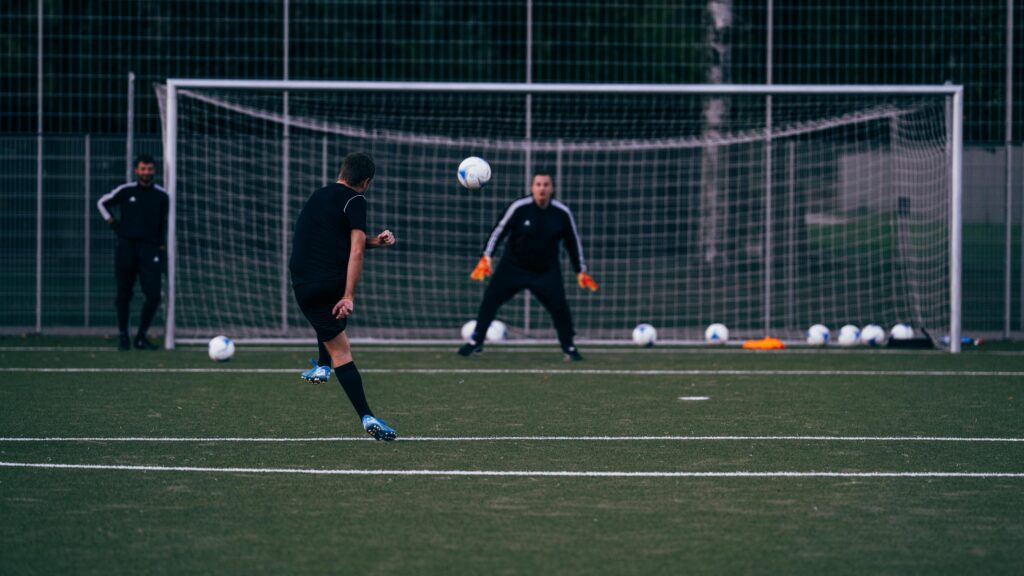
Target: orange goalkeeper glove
{"type": "Point", "coordinates": [482, 270]}
{"type": "Point", "coordinates": [586, 282]}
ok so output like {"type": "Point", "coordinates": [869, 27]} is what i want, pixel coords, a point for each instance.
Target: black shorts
{"type": "Point", "coordinates": [316, 300]}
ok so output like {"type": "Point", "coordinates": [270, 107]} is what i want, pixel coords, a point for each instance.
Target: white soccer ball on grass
{"type": "Point", "coordinates": [901, 332]}
{"type": "Point", "coordinates": [716, 334]}
{"type": "Point", "coordinates": [496, 332]}
{"type": "Point", "coordinates": [645, 335]}
{"type": "Point", "coordinates": [474, 173]}
{"type": "Point", "coordinates": [849, 335]}
{"type": "Point", "coordinates": [467, 330]}
{"type": "Point", "coordinates": [221, 348]}
{"type": "Point", "coordinates": [872, 335]}
{"type": "Point", "coordinates": [818, 335]}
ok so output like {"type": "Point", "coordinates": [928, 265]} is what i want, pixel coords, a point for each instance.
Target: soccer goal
{"type": "Point", "coordinates": [765, 208]}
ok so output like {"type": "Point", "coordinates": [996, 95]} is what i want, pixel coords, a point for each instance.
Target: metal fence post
{"type": "Point", "coordinates": [769, 261]}
{"type": "Point", "coordinates": [285, 176]}
{"type": "Point", "coordinates": [86, 220]}
{"type": "Point", "coordinates": [39, 232]}
{"type": "Point", "coordinates": [39, 166]}
{"type": "Point", "coordinates": [528, 152]}
{"type": "Point", "coordinates": [323, 160]}
{"type": "Point", "coordinates": [130, 144]}
{"type": "Point", "coordinates": [1008, 280]}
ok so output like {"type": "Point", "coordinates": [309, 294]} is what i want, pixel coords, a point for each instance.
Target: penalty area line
{"type": "Point", "coordinates": [509, 473]}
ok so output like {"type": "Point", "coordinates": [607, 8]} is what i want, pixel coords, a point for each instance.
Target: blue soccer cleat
{"type": "Point", "coordinates": [378, 429]}
{"type": "Point", "coordinates": [317, 374]}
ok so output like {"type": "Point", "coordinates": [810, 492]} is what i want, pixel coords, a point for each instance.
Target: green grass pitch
{"type": "Point", "coordinates": [569, 452]}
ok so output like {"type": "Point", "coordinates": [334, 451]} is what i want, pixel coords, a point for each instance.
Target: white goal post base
{"type": "Point", "coordinates": [765, 207]}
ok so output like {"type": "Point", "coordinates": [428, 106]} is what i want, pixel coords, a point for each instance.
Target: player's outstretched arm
{"type": "Point", "coordinates": [382, 240]}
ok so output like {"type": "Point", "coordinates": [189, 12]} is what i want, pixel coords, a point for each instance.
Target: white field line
{"type": "Point", "coordinates": [200, 439]}
{"type": "Point", "coordinates": [295, 371]}
{"type": "Point", "coordinates": [522, 348]}
{"type": "Point", "coordinates": [513, 473]}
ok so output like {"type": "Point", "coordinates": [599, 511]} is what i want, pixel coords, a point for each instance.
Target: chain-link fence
{"type": "Point", "coordinates": [65, 74]}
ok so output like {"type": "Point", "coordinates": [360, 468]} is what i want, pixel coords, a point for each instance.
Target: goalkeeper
{"type": "Point", "coordinates": [534, 225]}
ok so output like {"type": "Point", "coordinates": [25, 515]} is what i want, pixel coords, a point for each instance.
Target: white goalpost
{"type": "Point", "coordinates": [831, 204]}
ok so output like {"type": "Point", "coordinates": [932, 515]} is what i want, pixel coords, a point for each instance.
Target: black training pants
{"type": "Point", "coordinates": [137, 259]}
{"type": "Point", "coordinates": [509, 280]}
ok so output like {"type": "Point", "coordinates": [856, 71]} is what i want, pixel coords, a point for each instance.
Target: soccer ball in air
{"type": "Point", "coordinates": [221, 348]}
{"type": "Point", "coordinates": [497, 331]}
{"type": "Point", "coordinates": [872, 335]}
{"type": "Point", "coordinates": [716, 334]}
{"type": "Point", "coordinates": [474, 172]}
{"type": "Point", "coordinates": [848, 335]}
{"type": "Point", "coordinates": [645, 335]}
{"type": "Point", "coordinates": [818, 335]}
{"type": "Point", "coordinates": [901, 332]}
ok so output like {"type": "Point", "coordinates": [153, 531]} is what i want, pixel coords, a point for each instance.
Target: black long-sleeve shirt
{"type": "Point", "coordinates": [534, 233]}
{"type": "Point", "coordinates": [143, 212]}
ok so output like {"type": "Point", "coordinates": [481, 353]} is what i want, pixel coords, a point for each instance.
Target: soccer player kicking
{"type": "Point", "coordinates": [535, 225]}
{"type": "Point", "coordinates": [326, 262]}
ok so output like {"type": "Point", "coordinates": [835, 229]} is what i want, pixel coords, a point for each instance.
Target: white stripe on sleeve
{"type": "Point", "coordinates": [575, 233]}
{"type": "Point", "coordinates": [108, 197]}
{"type": "Point", "coordinates": [493, 240]}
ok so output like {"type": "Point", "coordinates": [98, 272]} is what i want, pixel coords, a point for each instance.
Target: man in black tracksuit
{"type": "Point", "coordinates": [141, 246]}
{"type": "Point", "coordinates": [534, 225]}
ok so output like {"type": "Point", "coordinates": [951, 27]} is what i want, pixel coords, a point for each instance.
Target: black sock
{"type": "Point", "coordinates": [325, 356]}
{"type": "Point", "coordinates": [352, 384]}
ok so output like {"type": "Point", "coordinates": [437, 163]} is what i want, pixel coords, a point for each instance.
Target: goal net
{"type": "Point", "coordinates": [767, 209]}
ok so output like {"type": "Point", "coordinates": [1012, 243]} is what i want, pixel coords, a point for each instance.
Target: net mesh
{"type": "Point", "coordinates": [691, 210]}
